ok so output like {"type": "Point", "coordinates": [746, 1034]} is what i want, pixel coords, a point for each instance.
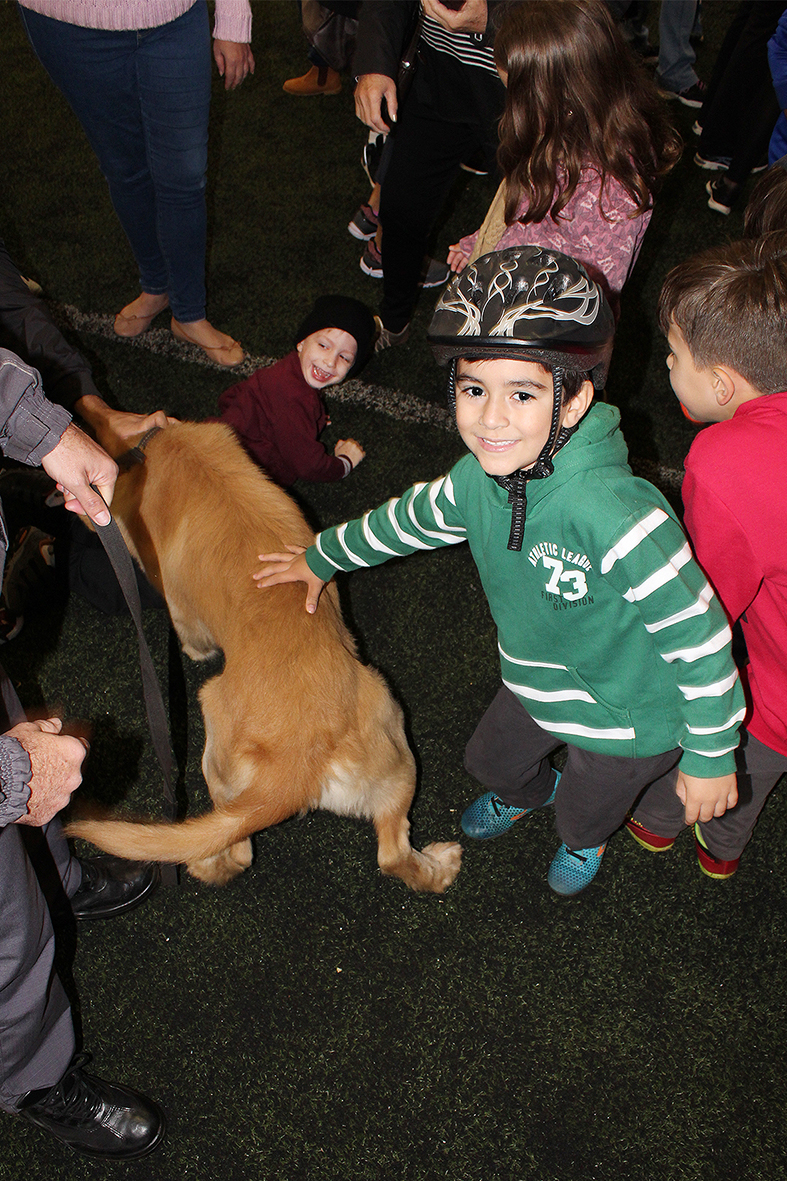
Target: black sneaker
{"type": "Point", "coordinates": [722, 194]}
{"type": "Point", "coordinates": [96, 1118]}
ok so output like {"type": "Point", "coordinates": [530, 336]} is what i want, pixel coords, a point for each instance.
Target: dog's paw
{"type": "Point", "coordinates": [446, 861]}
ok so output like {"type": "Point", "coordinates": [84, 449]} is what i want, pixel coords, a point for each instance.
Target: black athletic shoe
{"type": "Point", "coordinates": [94, 1117]}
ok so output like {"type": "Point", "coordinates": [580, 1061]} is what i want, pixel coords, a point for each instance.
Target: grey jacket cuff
{"type": "Point", "coordinates": [34, 425]}
{"type": "Point", "coordinates": [15, 776]}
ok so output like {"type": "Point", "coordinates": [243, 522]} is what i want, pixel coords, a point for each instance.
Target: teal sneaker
{"type": "Point", "coordinates": [490, 817]}
{"type": "Point", "coordinates": [573, 869]}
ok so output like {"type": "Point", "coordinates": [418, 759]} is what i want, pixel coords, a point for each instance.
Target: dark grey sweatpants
{"type": "Point", "coordinates": [759, 770]}
{"type": "Point", "coordinates": [508, 755]}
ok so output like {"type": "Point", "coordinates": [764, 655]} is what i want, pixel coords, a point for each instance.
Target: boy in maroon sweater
{"type": "Point", "coordinates": [278, 413]}
{"type": "Point", "coordinates": [723, 313]}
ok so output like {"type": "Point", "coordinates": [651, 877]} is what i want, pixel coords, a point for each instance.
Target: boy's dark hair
{"type": "Point", "coordinates": [572, 378]}
{"type": "Point", "coordinates": [730, 304]}
{"type": "Point", "coordinates": [766, 211]}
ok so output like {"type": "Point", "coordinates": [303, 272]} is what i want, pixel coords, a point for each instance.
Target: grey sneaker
{"type": "Point", "coordinates": [386, 338]}
{"type": "Point", "coordinates": [364, 223]}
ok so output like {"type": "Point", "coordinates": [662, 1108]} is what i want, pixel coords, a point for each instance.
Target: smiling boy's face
{"type": "Point", "coordinates": [326, 356]}
{"type": "Point", "coordinates": [504, 411]}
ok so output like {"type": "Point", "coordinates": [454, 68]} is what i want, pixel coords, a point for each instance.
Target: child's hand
{"type": "Point", "coordinates": [457, 259]}
{"type": "Point", "coordinates": [290, 567]}
{"type": "Point", "coordinates": [350, 450]}
{"type": "Point", "coordinates": [705, 798]}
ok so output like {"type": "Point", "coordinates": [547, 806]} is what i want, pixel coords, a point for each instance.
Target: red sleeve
{"type": "Point", "coordinates": [721, 545]}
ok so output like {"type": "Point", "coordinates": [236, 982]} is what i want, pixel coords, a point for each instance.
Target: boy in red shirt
{"type": "Point", "coordinates": [724, 314]}
{"type": "Point", "coordinates": [278, 413]}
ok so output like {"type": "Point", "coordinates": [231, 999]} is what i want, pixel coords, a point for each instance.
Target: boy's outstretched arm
{"type": "Point", "coordinates": [290, 567]}
{"type": "Point", "coordinates": [705, 798]}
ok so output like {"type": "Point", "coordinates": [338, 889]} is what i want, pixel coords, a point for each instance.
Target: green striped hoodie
{"type": "Point", "coordinates": [609, 632]}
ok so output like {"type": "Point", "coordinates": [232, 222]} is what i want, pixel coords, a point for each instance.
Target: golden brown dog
{"type": "Point", "coordinates": [294, 721]}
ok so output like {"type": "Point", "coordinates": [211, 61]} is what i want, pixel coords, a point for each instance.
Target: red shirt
{"type": "Point", "coordinates": [278, 418]}
{"type": "Point", "coordinates": [735, 494]}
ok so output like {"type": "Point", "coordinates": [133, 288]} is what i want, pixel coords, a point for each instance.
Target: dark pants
{"type": "Point", "coordinates": [759, 770]}
{"type": "Point", "coordinates": [508, 755]}
{"type": "Point", "coordinates": [425, 156]}
{"type": "Point", "coordinates": [741, 108]}
{"type": "Point", "coordinates": [143, 99]}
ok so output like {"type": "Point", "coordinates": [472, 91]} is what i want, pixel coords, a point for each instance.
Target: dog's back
{"type": "Point", "coordinates": [293, 720]}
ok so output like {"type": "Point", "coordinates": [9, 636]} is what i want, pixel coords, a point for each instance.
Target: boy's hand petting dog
{"type": "Point", "coordinates": [350, 450]}
{"type": "Point", "coordinates": [705, 798]}
{"type": "Point", "coordinates": [290, 567]}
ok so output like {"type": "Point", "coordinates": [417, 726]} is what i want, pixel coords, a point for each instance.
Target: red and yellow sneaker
{"type": "Point", "coordinates": [710, 865]}
{"type": "Point", "coordinates": [649, 840]}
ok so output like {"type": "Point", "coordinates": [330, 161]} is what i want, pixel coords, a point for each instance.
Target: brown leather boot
{"type": "Point", "coordinates": [319, 80]}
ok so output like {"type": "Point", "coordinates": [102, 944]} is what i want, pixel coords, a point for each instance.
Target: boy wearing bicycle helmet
{"type": "Point", "coordinates": [610, 638]}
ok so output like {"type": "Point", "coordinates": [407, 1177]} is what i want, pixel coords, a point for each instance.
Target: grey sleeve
{"type": "Point", "coordinates": [30, 425]}
{"type": "Point", "coordinates": [15, 775]}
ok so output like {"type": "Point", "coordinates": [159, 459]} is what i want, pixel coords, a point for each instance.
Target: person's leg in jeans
{"type": "Point", "coordinates": [143, 100]}
{"type": "Point", "coordinates": [424, 161]}
{"type": "Point", "coordinates": [676, 56]}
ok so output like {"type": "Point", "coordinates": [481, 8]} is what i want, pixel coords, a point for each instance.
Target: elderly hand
{"type": "Point", "coordinates": [369, 95]}
{"type": "Point", "coordinates": [56, 762]}
{"type": "Point", "coordinates": [76, 463]}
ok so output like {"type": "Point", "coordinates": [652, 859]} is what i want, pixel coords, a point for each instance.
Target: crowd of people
{"type": "Point", "coordinates": [614, 626]}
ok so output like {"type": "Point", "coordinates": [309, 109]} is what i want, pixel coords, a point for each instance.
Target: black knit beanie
{"type": "Point", "coordinates": [347, 314]}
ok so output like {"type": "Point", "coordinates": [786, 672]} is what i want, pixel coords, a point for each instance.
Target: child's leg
{"type": "Point", "coordinates": [759, 770]}
{"type": "Point", "coordinates": [596, 792]}
{"type": "Point", "coordinates": [507, 754]}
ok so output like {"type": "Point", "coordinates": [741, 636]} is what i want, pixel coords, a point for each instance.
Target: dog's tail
{"type": "Point", "coordinates": [187, 841]}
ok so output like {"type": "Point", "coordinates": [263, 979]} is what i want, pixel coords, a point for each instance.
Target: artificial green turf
{"type": "Point", "coordinates": [313, 1019]}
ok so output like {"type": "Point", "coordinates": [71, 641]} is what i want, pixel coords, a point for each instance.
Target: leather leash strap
{"type": "Point", "coordinates": [120, 558]}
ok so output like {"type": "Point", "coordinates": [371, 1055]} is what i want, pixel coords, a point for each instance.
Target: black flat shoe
{"type": "Point", "coordinates": [111, 886]}
{"type": "Point", "coordinates": [94, 1117]}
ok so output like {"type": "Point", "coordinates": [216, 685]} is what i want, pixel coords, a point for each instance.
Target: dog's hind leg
{"type": "Point", "coordinates": [432, 869]}
{"type": "Point", "coordinates": [219, 870]}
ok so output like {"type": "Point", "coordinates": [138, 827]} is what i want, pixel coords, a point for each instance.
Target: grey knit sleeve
{"type": "Point", "coordinates": [15, 775]}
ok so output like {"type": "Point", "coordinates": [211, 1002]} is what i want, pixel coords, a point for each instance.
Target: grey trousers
{"type": "Point", "coordinates": [508, 755]}
{"type": "Point", "coordinates": [36, 1029]}
{"type": "Point", "coordinates": [759, 770]}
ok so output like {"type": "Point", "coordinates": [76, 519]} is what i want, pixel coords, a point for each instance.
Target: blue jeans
{"type": "Point", "coordinates": [143, 99]}
{"type": "Point", "coordinates": [676, 56]}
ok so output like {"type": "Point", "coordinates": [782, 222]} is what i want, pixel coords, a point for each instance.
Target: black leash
{"type": "Point", "coordinates": [120, 558]}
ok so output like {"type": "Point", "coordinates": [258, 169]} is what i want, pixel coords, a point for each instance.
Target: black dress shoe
{"type": "Point", "coordinates": [111, 885]}
{"type": "Point", "coordinates": [94, 1117]}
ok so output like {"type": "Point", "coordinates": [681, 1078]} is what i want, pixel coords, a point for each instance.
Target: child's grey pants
{"type": "Point", "coordinates": [508, 755]}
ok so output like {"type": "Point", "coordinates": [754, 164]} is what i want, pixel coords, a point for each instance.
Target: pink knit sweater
{"type": "Point", "coordinates": [232, 20]}
{"type": "Point", "coordinates": [601, 231]}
